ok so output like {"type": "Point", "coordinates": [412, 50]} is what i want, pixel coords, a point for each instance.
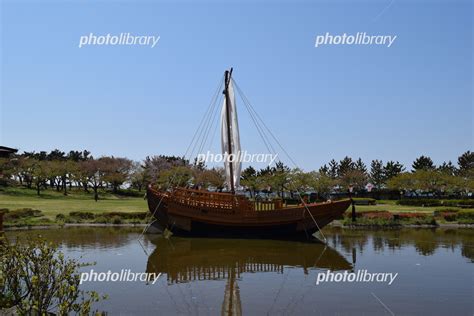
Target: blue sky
{"type": "Point", "coordinates": [371, 102]}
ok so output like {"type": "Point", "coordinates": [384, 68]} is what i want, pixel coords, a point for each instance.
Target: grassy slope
{"type": "Point", "coordinates": [53, 203]}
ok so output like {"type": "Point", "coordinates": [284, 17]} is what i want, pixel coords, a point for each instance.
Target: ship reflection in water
{"type": "Point", "coordinates": [204, 276]}
{"type": "Point", "coordinates": [189, 260]}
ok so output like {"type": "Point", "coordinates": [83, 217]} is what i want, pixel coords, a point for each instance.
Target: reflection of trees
{"type": "Point", "coordinates": [424, 240]}
{"type": "Point", "coordinates": [82, 237]}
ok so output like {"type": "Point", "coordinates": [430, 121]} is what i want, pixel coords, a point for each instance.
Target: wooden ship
{"type": "Point", "coordinates": [201, 212]}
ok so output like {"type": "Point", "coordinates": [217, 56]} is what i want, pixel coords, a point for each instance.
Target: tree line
{"type": "Point", "coordinates": [79, 169]}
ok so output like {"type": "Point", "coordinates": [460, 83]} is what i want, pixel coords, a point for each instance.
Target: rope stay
{"type": "Point", "coordinates": [257, 121]}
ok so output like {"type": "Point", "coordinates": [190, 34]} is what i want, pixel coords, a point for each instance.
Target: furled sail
{"type": "Point", "coordinates": [234, 140]}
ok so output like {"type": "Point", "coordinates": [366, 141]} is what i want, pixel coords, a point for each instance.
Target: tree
{"type": "Point", "coordinates": [179, 176]}
{"type": "Point", "coordinates": [250, 179]}
{"type": "Point", "coordinates": [377, 175]}
{"type": "Point", "coordinates": [156, 164]}
{"type": "Point", "coordinates": [423, 163]}
{"type": "Point", "coordinates": [360, 166]}
{"type": "Point", "coordinates": [448, 168]}
{"type": "Point", "coordinates": [116, 170]}
{"type": "Point", "coordinates": [278, 178]}
{"type": "Point", "coordinates": [466, 164]}
{"type": "Point", "coordinates": [6, 170]}
{"type": "Point", "coordinates": [40, 171]}
{"type": "Point", "coordinates": [206, 178]}
{"type": "Point", "coordinates": [300, 181]}
{"type": "Point", "coordinates": [355, 178]}
{"type": "Point", "coordinates": [137, 176]}
{"type": "Point", "coordinates": [75, 155]}
{"type": "Point", "coordinates": [426, 181]}
{"type": "Point", "coordinates": [333, 169]}
{"type": "Point", "coordinates": [392, 169]}
{"type": "Point", "coordinates": [93, 172]}
{"type": "Point", "coordinates": [345, 165]}
{"type": "Point", "coordinates": [322, 184]}
{"type": "Point", "coordinates": [324, 170]}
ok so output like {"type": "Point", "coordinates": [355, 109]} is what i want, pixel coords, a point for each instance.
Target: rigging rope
{"type": "Point", "coordinates": [254, 114]}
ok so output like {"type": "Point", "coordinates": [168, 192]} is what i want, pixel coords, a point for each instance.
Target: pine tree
{"type": "Point", "coordinates": [466, 163]}
{"type": "Point", "coordinates": [333, 169]}
{"type": "Point", "coordinates": [391, 169]}
{"type": "Point", "coordinates": [345, 165]}
{"type": "Point", "coordinates": [377, 175]}
{"type": "Point", "coordinates": [423, 163]}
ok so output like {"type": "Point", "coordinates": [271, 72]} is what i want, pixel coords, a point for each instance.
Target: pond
{"type": "Point", "coordinates": [431, 271]}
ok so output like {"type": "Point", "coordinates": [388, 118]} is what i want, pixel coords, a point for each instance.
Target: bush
{"type": "Point", "coordinates": [449, 216]}
{"type": "Point", "coordinates": [125, 215]}
{"type": "Point", "coordinates": [466, 216]}
{"type": "Point", "coordinates": [37, 279]}
{"type": "Point", "coordinates": [82, 215]}
{"type": "Point", "coordinates": [61, 217]}
{"type": "Point", "coordinates": [101, 220]}
{"type": "Point", "coordinates": [419, 202]}
{"type": "Point", "coordinates": [116, 220]}
{"type": "Point", "coordinates": [364, 201]}
{"type": "Point", "coordinates": [436, 202]}
{"type": "Point", "coordinates": [131, 193]}
{"type": "Point", "coordinates": [22, 213]}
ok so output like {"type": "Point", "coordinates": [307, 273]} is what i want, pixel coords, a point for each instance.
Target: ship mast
{"type": "Point", "coordinates": [228, 75]}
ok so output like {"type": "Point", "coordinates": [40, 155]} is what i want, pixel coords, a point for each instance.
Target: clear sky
{"type": "Point", "coordinates": [396, 103]}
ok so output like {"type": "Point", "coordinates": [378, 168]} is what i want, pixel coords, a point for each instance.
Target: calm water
{"type": "Point", "coordinates": [253, 277]}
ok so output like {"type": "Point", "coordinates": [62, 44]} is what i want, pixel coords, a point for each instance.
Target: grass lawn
{"type": "Point", "coordinates": [392, 207]}
{"type": "Point", "coordinates": [52, 203]}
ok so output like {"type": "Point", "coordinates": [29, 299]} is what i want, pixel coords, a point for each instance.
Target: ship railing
{"type": "Point", "coordinates": [267, 205]}
{"type": "Point", "coordinates": [206, 199]}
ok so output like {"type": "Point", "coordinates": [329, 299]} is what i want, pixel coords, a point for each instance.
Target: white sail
{"type": "Point", "coordinates": [235, 139]}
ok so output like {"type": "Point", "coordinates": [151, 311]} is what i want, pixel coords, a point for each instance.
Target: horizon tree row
{"type": "Point", "coordinates": [79, 169]}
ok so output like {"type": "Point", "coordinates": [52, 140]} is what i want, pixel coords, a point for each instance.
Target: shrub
{"type": "Point", "coordinates": [82, 215]}
{"type": "Point", "coordinates": [131, 193]}
{"type": "Point", "coordinates": [364, 201]}
{"type": "Point", "coordinates": [436, 202]}
{"type": "Point", "coordinates": [447, 210]}
{"type": "Point", "coordinates": [449, 216]}
{"type": "Point", "coordinates": [116, 220]}
{"type": "Point", "coordinates": [61, 217]}
{"type": "Point", "coordinates": [375, 214]}
{"type": "Point", "coordinates": [126, 215]}
{"type": "Point", "coordinates": [419, 202]}
{"type": "Point", "coordinates": [466, 216]}
{"type": "Point", "coordinates": [101, 220]}
{"type": "Point", "coordinates": [22, 213]}
{"type": "Point", "coordinates": [37, 279]}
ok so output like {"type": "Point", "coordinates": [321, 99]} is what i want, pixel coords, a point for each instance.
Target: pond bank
{"type": "Point", "coordinates": [336, 223]}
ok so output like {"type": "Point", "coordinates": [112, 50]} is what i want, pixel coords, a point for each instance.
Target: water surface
{"type": "Point", "coordinates": [203, 276]}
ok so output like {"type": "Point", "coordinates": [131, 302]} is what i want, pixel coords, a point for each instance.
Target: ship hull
{"type": "Point", "coordinates": [201, 213]}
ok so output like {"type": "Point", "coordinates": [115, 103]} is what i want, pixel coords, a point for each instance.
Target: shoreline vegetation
{"type": "Point", "coordinates": [23, 209]}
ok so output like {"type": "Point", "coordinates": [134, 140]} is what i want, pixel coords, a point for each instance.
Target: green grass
{"type": "Point", "coordinates": [52, 203]}
{"type": "Point", "coordinates": [390, 206]}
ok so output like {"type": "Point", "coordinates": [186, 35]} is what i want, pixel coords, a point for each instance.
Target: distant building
{"type": "Point", "coordinates": [5, 152]}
